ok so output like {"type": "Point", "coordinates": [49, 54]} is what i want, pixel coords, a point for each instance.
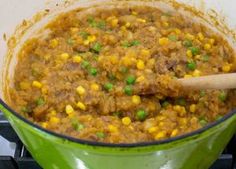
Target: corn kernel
{"type": "Point", "coordinates": [53, 113]}
{"type": "Point", "coordinates": [94, 87]}
{"type": "Point", "coordinates": [140, 65]}
{"type": "Point", "coordinates": [69, 109]}
{"type": "Point", "coordinates": [44, 90]}
{"type": "Point", "coordinates": [74, 30]}
{"type": "Point", "coordinates": [141, 20]}
{"type": "Point", "coordinates": [72, 115]}
{"type": "Point", "coordinates": [212, 41]}
{"type": "Point", "coordinates": [197, 57]}
{"type": "Point", "coordinates": [207, 46]}
{"type": "Point", "coordinates": [53, 43]}
{"type": "Point", "coordinates": [226, 68]}
{"type": "Point", "coordinates": [177, 108]}
{"type": "Point", "coordinates": [47, 57]}
{"type": "Point", "coordinates": [54, 120]}
{"type": "Point", "coordinates": [91, 38]}
{"type": "Point", "coordinates": [151, 62]}
{"type": "Point", "coordinates": [65, 56]}
{"type": "Point", "coordinates": [134, 13]}
{"type": "Point", "coordinates": [152, 130]}
{"type": "Point", "coordinates": [80, 90]}
{"type": "Point", "coordinates": [187, 76]}
{"type": "Point", "coordinates": [189, 36]}
{"type": "Point", "coordinates": [81, 106]}
{"type": "Point", "coordinates": [127, 61]}
{"type": "Point", "coordinates": [160, 135]}
{"type": "Point", "coordinates": [166, 24]}
{"type": "Point", "coordinates": [161, 124]}
{"type": "Point", "coordinates": [86, 42]}
{"type": "Point", "coordinates": [44, 124]}
{"type": "Point", "coordinates": [163, 41]}
{"type": "Point", "coordinates": [136, 99]}
{"type": "Point", "coordinates": [126, 121]}
{"type": "Point", "coordinates": [174, 133]}
{"type": "Point", "coordinates": [114, 22]}
{"type": "Point", "coordinates": [37, 84]}
{"type": "Point", "coordinates": [192, 108]}
{"type": "Point", "coordinates": [145, 52]}
{"type": "Point", "coordinates": [127, 25]}
{"type": "Point", "coordinates": [183, 111]}
{"type": "Point", "coordinates": [77, 59]}
{"type": "Point", "coordinates": [180, 109]}
{"type": "Point", "coordinates": [189, 53]}
{"type": "Point", "coordinates": [160, 117]}
{"type": "Point", "coordinates": [200, 36]}
{"type": "Point", "coordinates": [183, 121]}
{"type": "Point", "coordinates": [194, 120]}
{"type": "Point", "coordinates": [140, 79]}
{"type": "Point", "coordinates": [196, 73]}
{"type": "Point", "coordinates": [114, 59]}
{"type": "Point", "coordinates": [24, 85]}
{"type": "Point", "coordinates": [123, 28]}
{"type": "Point", "coordinates": [112, 128]}
{"type": "Point", "coordinates": [177, 31]}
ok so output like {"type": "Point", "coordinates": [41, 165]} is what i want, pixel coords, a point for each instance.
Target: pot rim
{"type": "Point", "coordinates": [120, 145]}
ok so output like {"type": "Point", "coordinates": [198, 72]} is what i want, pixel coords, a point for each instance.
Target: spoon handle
{"type": "Point", "coordinates": [220, 81]}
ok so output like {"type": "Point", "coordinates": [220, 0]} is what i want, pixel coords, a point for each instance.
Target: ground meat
{"type": "Point", "coordinates": [110, 75]}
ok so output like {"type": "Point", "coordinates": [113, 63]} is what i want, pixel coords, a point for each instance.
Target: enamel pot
{"type": "Point", "coordinates": [196, 150]}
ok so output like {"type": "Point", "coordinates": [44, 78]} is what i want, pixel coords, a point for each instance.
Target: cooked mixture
{"type": "Point", "coordinates": [110, 76]}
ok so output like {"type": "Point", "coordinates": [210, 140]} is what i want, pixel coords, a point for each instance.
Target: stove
{"type": "Point", "coordinates": [13, 154]}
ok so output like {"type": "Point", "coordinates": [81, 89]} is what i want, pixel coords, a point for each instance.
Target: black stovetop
{"type": "Point", "coordinates": [13, 154]}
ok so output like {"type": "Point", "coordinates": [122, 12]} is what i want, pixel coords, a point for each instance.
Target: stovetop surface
{"type": "Point", "coordinates": [13, 154]}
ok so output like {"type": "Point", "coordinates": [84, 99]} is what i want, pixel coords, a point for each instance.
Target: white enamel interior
{"type": "Point", "coordinates": [12, 13]}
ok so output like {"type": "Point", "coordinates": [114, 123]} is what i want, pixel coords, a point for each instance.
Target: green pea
{"type": "Point", "coordinates": [125, 44]}
{"type": "Point", "coordinates": [93, 71]}
{"type": "Point", "coordinates": [141, 115]}
{"type": "Point", "coordinates": [191, 65]}
{"type": "Point", "coordinates": [130, 80]}
{"type": "Point", "coordinates": [123, 69]}
{"type": "Point", "coordinates": [203, 122]}
{"type": "Point", "coordinates": [195, 50]}
{"type": "Point", "coordinates": [40, 101]}
{"type": "Point", "coordinates": [187, 43]}
{"type": "Point", "coordinates": [135, 43]}
{"type": "Point", "coordinates": [128, 90]}
{"type": "Point", "coordinates": [205, 58]}
{"type": "Point", "coordinates": [117, 113]}
{"type": "Point", "coordinates": [202, 93]}
{"type": "Point", "coordinates": [111, 76]}
{"type": "Point", "coordinates": [101, 24]}
{"type": "Point", "coordinates": [97, 47]}
{"type": "Point", "coordinates": [25, 109]}
{"type": "Point", "coordinates": [108, 86]}
{"type": "Point", "coordinates": [77, 125]}
{"type": "Point", "coordinates": [181, 101]}
{"type": "Point", "coordinates": [173, 38]}
{"type": "Point", "coordinates": [222, 96]}
{"type": "Point", "coordinates": [84, 35]}
{"type": "Point", "coordinates": [85, 64]}
{"type": "Point", "coordinates": [70, 41]}
{"type": "Point", "coordinates": [100, 135]}
{"type": "Point", "coordinates": [92, 21]}
{"type": "Point", "coordinates": [165, 104]}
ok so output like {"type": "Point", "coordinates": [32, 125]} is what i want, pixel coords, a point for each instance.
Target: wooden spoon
{"type": "Point", "coordinates": [219, 81]}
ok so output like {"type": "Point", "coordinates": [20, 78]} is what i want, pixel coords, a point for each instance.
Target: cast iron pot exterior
{"type": "Point", "coordinates": [196, 150]}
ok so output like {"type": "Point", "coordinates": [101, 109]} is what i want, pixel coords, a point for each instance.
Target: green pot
{"type": "Point", "coordinates": [197, 150]}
